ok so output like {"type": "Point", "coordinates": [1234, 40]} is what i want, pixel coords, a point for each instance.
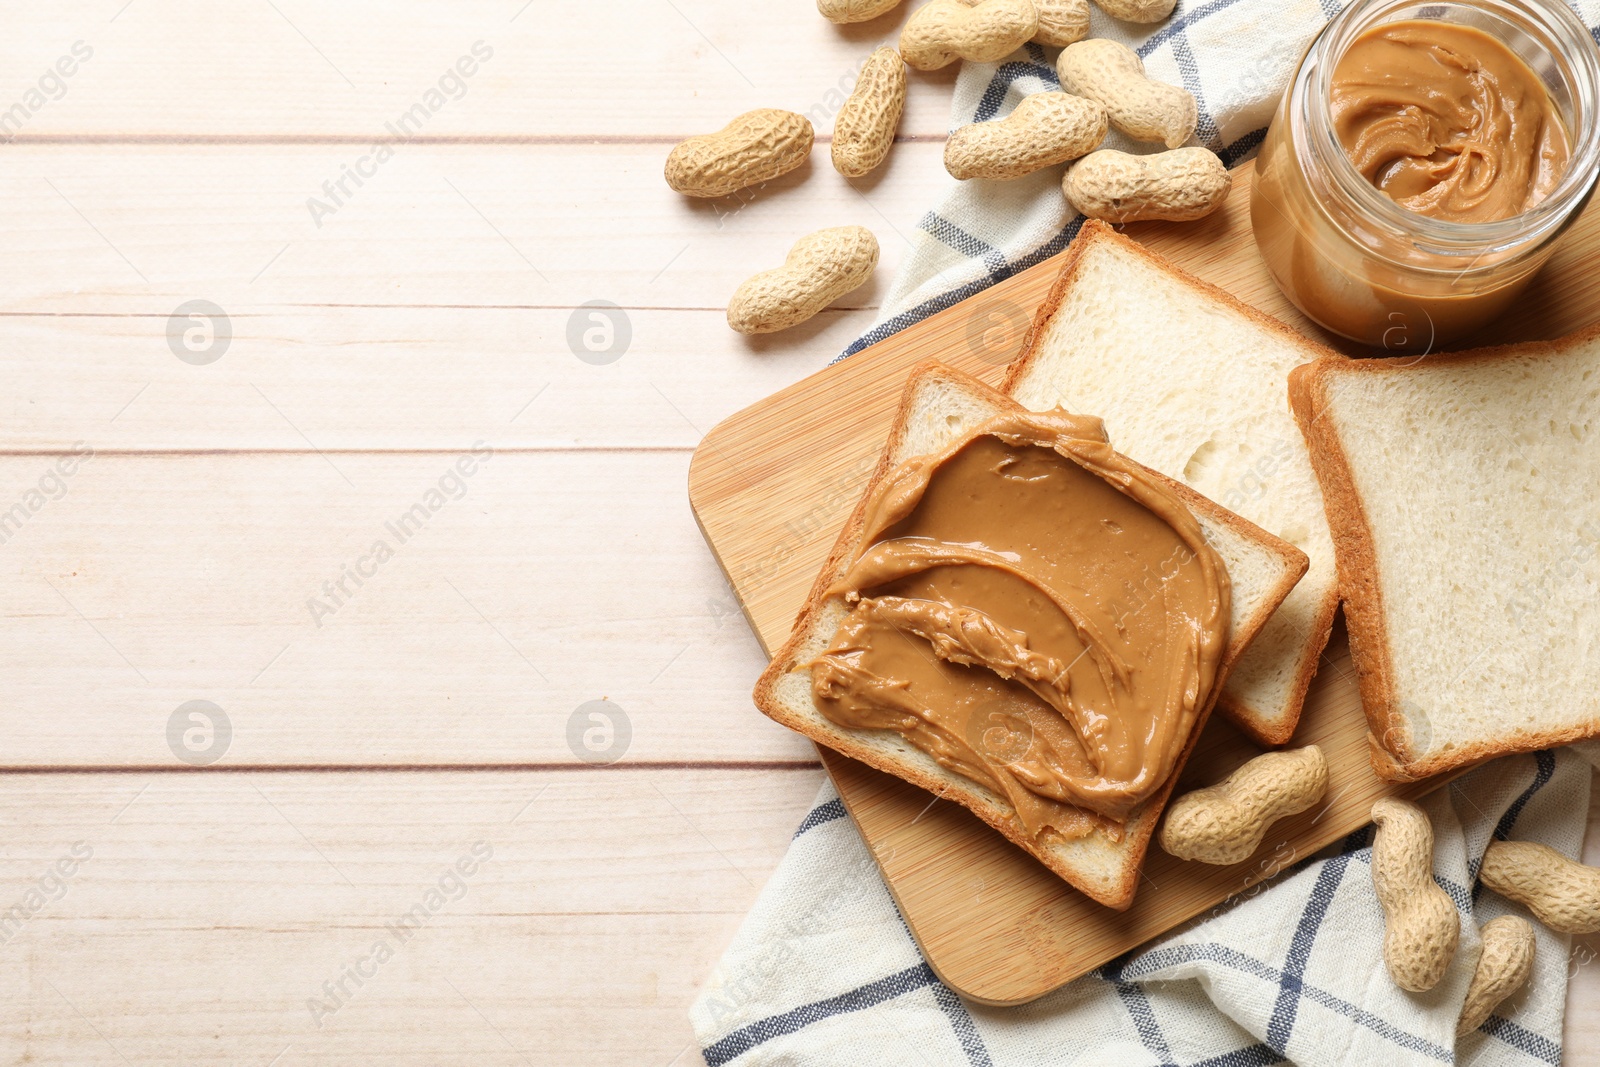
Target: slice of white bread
{"type": "Point", "coordinates": [1191, 382]}
{"type": "Point", "coordinates": [1464, 495]}
{"type": "Point", "coordinates": [939, 405]}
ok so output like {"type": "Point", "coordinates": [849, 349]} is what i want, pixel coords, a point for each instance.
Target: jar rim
{"type": "Point", "coordinates": [1576, 57]}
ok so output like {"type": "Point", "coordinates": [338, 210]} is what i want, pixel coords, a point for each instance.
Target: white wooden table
{"type": "Point", "coordinates": [398, 745]}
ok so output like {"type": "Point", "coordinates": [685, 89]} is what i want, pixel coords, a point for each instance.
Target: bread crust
{"type": "Point", "coordinates": [1355, 550]}
{"type": "Point", "coordinates": [992, 809]}
{"type": "Point", "coordinates": [1355, 556]}
{"type": "Point", "coordinates": [1264, 731]}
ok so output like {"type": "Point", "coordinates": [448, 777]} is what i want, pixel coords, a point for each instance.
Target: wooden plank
{"type": "Point", "coordinates": [203, 912]}
{"type": "Point", "coordinates": [771, 487]}
{"type": "Point", "coordinates": [106, 229]}
{"type": "Point", "coordinates": [351, 375]}
{"type": "Point", "coordinates": [295, 68]}
{"type": "Point", "coordinates": [541, 582]}
{"type": "Point", "coordinates": [391, 378]}
{"type": "Point", "coordinates": [141, 948]}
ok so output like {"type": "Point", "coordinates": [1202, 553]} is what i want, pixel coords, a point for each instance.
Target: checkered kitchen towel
{"type": "Point", "coordinates": [824, 973]}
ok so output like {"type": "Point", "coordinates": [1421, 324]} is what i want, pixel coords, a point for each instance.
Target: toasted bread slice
{"type": "Point", "coordinates": [939, 405]}
{"type": "Point", "coordinates": [1191, 383]}
{"type": "Point", "coordinates": [1462, 491]}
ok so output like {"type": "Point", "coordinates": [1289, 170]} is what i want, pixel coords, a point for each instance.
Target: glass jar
{"type": "Point", "coordinates": [1363, 266]}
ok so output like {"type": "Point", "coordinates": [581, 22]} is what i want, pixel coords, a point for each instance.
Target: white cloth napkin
{"type": "Point", "coordinates": [824, 973]}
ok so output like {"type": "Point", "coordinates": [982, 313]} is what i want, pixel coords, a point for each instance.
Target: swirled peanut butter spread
{"type": "Point", "coordinates": [1448, 121]}
{"type": "Point", "coordinates": [1035, 612]}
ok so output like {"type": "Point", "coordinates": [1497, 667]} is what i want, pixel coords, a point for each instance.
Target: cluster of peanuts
{"type": "Point", "coordinates": [1226, 823]}
{"type": "Point", "coordinates": [1422, 927]}
{"type": "Point", "coordinates": [1104, 87]}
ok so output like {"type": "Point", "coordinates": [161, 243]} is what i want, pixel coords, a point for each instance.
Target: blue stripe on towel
{"type": "Point", "coordinates": [1525, 1041]}
{"type": "Point", "coordinates": [1544, 768]}
{"type": "Point", "coordinates": [743, 1040]}
{"type": "Point", "coordinates": [1010, 73]}
{"type": "Point", "coordinates": [833, 809]}
{"type": "Point", "coordinates": [1250, 1056]}
{"type": "Point", "coordinates": [1458, 894]}
{"type": "Point", "coordinates": [955, 296]}
{"type": "Point", "coordinates": [1179, 24]}
{"type": "Point", "coordinates": [961, 1022]}
{"type": "Point", "coordinates": [1231, 154]}
{"type": "Point", "coordinates": [1205, 126]}
{"type": "Point", "coordinates": [1144, 1020]}
{"type": "Point", "coordinates": [957, 238]}
{"type": "Point", "coordinates": [1212, 952]}
{"type": "Point", "coordinates": [966, 1031]}
{"type": "Point", "coordinates": [1281, 1025]}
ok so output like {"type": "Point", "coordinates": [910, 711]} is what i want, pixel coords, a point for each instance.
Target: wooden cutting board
{"type": "Point", "coordinates": [772, 487]}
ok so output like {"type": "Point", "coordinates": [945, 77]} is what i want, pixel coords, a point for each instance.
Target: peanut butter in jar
{"type": "Point", "coordinates": [1447, 121]}
{"type": "Point", "coordinates": [1423, 163]}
